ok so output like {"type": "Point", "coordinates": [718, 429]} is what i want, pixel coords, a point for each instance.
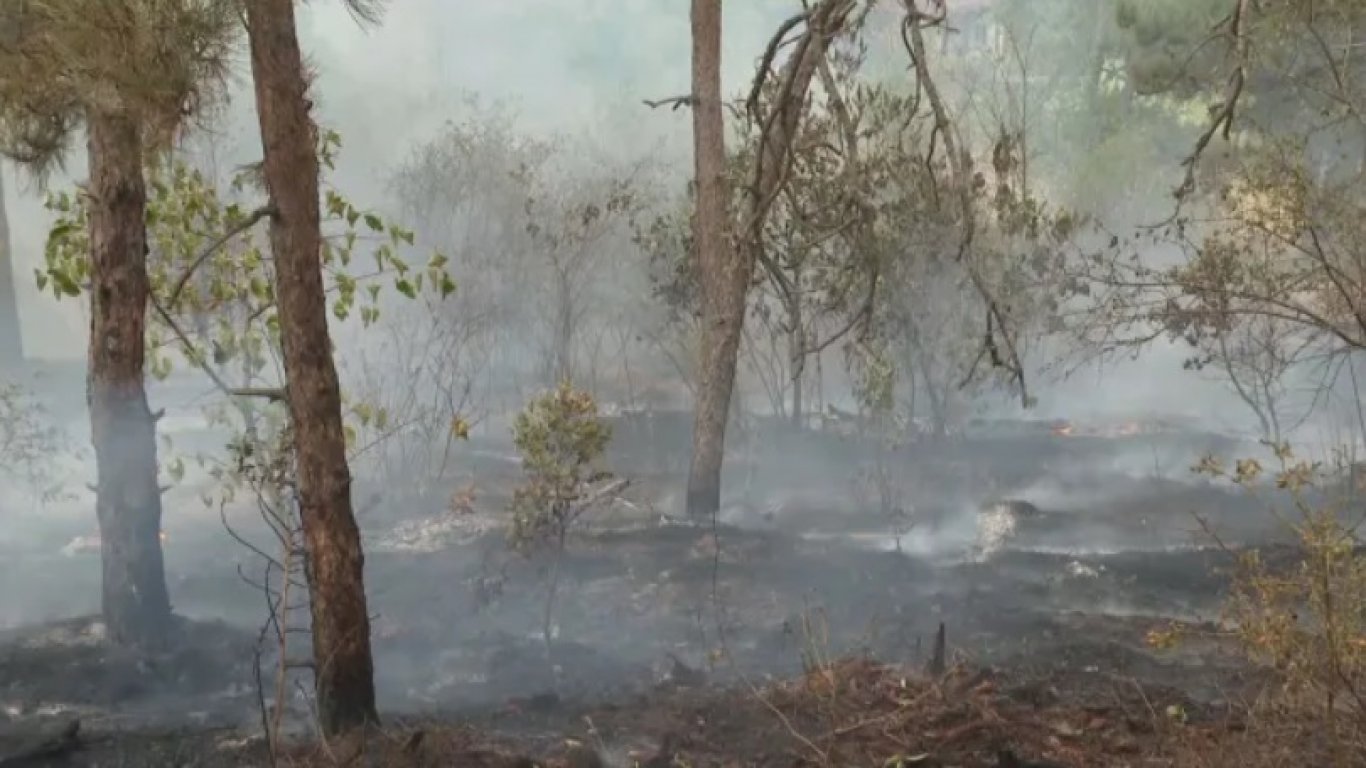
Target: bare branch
{"type": "Point", "coordinates": [274, 394]}
{"type": "Point", "coordinates": [172, 301]}
{"type": "Point", "coordinates": [673, 102]}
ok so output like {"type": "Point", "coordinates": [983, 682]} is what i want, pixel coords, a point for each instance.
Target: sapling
{"type": "Point", "coordinates": [29, 439]}
{"type": "Point", "coordinates": [561, 440]}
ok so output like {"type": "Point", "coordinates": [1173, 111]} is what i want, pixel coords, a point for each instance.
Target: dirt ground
{"type": "Point", "coordinates": [803, 640]}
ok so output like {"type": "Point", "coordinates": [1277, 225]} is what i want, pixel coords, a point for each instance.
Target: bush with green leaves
{"type": "Point", "coordinates": [213, 289]}
{"type": "Point", "coordinates": [561, 440]}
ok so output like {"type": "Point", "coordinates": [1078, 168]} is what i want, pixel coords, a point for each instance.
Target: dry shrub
{"type": "Point", "coordinates": [1304, 617]}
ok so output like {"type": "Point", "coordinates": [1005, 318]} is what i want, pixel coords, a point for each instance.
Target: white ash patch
{"type": "Point", "coordinates": [996, 525]}
{"type": "Point", "coordinates": [87, 633]}
{"type": "Point", "coordinates": [82, 545]}
{"type": "Point", "coordinates": [433, 534]}
{"type": "Point", "coordinates": [90, 545]}
{"type": "Point", "coordinates": [1080, 570]}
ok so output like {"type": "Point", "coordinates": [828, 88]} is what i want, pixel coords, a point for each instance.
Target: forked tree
{"type": "Point", "coordinates": [130, 72]}
{"type": "Point", "coordinates": [726, 252]}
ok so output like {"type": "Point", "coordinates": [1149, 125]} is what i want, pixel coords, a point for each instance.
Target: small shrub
{"type": "Point", "coordinates": [1306, 619]}
{"type": "Point", "coordinates": [561, 440]}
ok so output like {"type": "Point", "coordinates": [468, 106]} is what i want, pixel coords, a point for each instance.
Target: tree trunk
{"type": "Point", "coordinates": [939, 419]}
{"type": "Point", "coordinates": [797, 362]}
{"type": "Point", "coordinates": [136, 606]}
{"type": "Point", "coordinates": [341, 625]}
{"type": "Point", "coordinates": [563, 355]}
{"type": "Point", "coordinates": [725, 271]}
{"type": "Point", "coordinates": [11, 333]}
{"type": "Point", "coordinates": [724, 275]}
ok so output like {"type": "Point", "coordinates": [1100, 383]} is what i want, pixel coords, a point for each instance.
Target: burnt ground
{"type": "Point", "coordinates": [661, 638]}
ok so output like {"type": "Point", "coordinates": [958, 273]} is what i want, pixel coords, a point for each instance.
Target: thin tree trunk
{"type": "Point", "coordinates": [726, 271]}
{"type": "Point", "coordinates": [136, 606]}
{"type": "Point", "coordinates": [724, 274]}
{"type": "Point", "coordinates": [11, 333]}
{"type": "Point", "coordinates": [341, 625]}
{"type": "Point", "coordinates": [797, 362]}
{"type": "Point", "coordinates": [563, 365]}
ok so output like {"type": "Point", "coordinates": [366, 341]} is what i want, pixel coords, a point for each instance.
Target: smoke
{"type": "Point", "coordinates": [869, 518]}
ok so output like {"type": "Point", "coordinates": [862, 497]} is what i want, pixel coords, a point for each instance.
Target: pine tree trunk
{"type": "Point", "coordinates": [137, 608]}
{"type": "Point", "coordinates": [724, 275]}
{"type": "Point", "coordinates": [11, 333]}
{"type": "Point", "coordinates": [341, 624]}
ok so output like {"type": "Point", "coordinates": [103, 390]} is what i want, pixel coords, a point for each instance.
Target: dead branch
{"type": "Point", "coordinates": [213, 247]}
{"type": "Point", "coordinates": [673, 102]}
{"type": "Point", "coordinates": [1223, 116]}
{"type": "Point", "coordinates": [273, 394]}
{"type": "Point", "coordinates": [913, 40]}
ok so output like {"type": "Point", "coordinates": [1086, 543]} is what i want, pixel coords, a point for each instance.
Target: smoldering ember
{"type": "Point", "coordinates": [904, 384]}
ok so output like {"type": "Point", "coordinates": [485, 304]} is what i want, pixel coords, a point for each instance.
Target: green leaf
{"type": "Point", "coordinates": [374, 222]}
{"type": "Point", "coordinates": [336, 206]}
{"type": "Point", "coordinates": [406, 288]}
{"type": "Point", "coordinates": [65, 284]}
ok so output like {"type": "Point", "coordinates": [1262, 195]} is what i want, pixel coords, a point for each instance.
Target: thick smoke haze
{"type": "Point", "coordinates": [567, 68]}
{"type": "Point", "coordinates": [988, 427]}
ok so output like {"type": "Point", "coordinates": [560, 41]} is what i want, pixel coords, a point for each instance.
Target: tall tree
{"type": "Point", "coordinates": [343, 672]}
{"type": "Point", "coordinates": [725, 263]}
{"type": "Point", "coordinates": [130, 71]}
{"type": "Point", "coordinates": [722, 272]}
{"type": "Point", "coordinates": [11, 334]}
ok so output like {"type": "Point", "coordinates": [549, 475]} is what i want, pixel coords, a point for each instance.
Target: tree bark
{"type": "Point", "coordinates": [11, 333]}
{"type": "Point", "coordinates": [797, 352]}
{"type": "Point", "coordinates": [136, 606]}
{"type": "Point", "coordinates": [723, 273]}
{"type": "Point", "coordinates": [344, 672]}
{"type": "Point", "coordinates": [726, 268]}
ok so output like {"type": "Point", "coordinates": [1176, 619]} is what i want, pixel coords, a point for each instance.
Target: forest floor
{"type": "Point", "coordinates": [805, 639]}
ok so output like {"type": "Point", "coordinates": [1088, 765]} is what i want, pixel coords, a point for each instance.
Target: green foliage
{"type": "Point", "coordinates": [213, 282]}
{"type": "Point", "coordinates": [208, 262]}
{"type": "Point", "coordinates": [561, 441]}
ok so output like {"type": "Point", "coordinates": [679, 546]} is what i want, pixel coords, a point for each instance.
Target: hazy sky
{"type": "Point", "coordinates": [580, 66]}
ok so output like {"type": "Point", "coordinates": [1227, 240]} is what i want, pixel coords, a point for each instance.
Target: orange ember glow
{"type": "Point", "coordinates": [1063, 430]}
